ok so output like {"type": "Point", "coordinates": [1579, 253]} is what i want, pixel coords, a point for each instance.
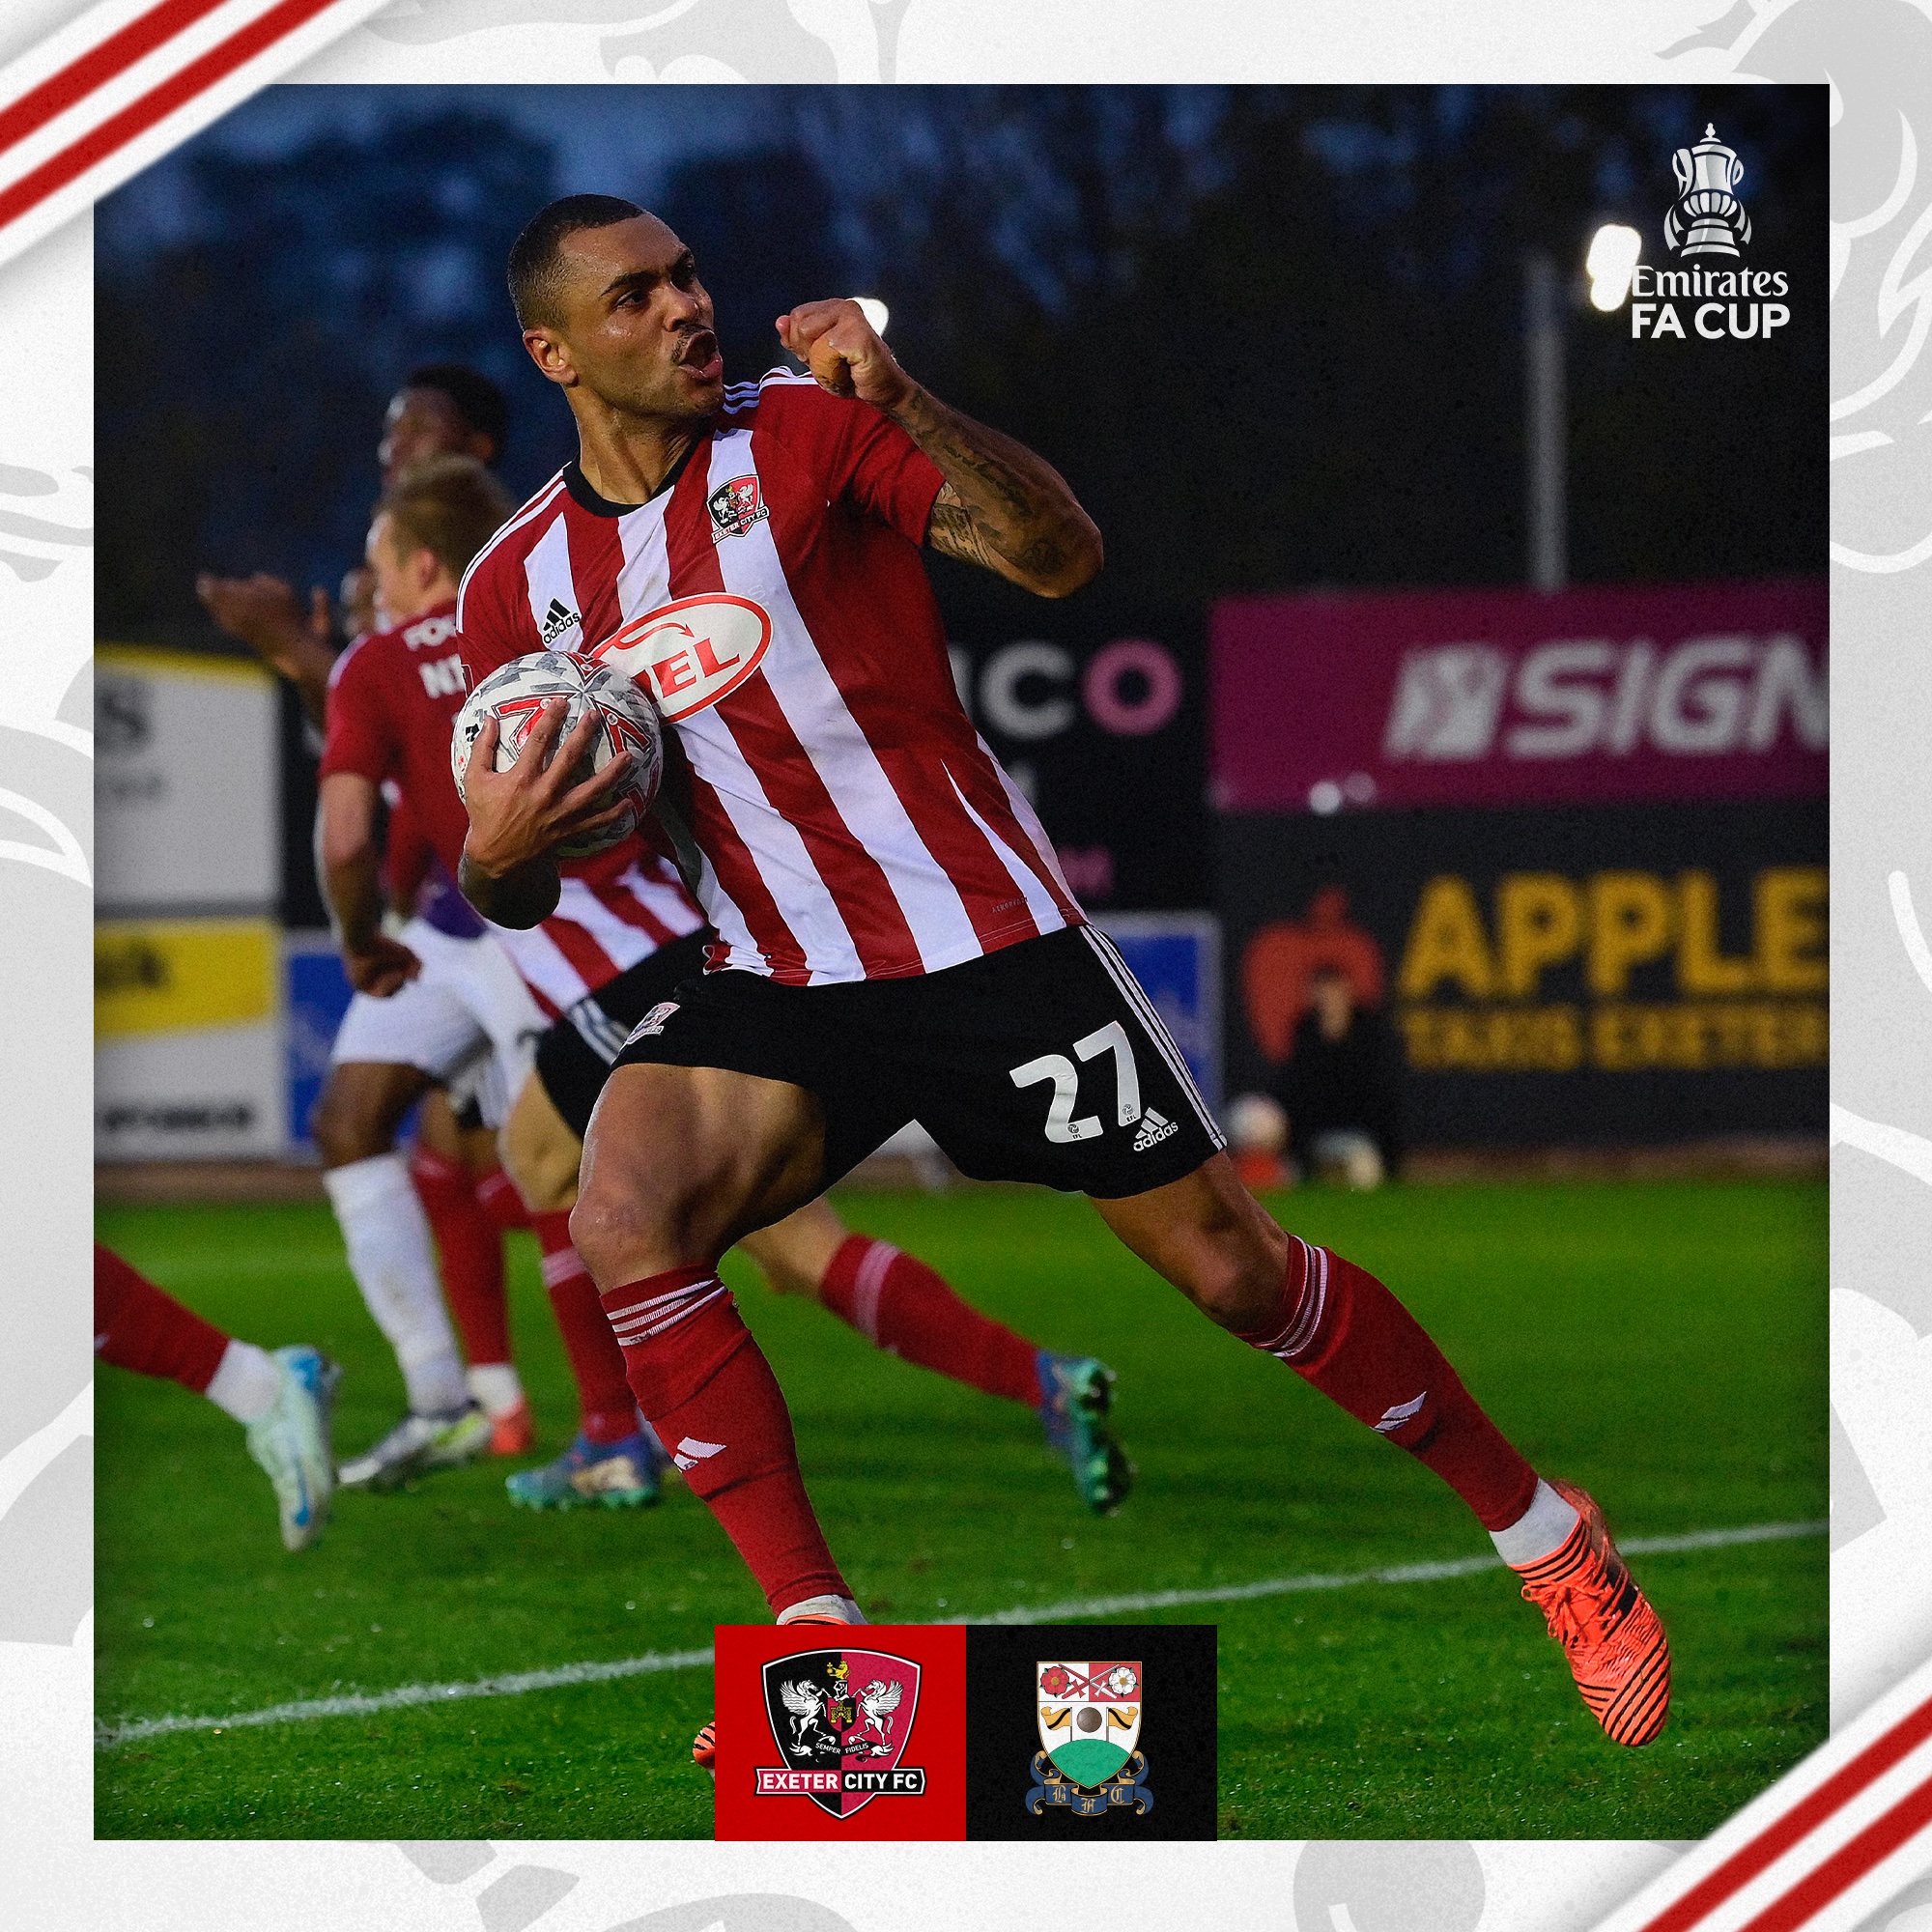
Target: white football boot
{"type": "Point", "coordinates": [290, 1442]}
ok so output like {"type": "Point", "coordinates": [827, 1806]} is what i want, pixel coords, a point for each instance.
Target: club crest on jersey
{"type": "Point", "coordinates": [691, 652]}
{"type": "Point", "coordinates": [1090, 1722]}
{"type": "Point", "coordinates": [653, 1022]}
{"type": "Point", "coordinates": [841, 1719]}
{"type": "Point", "coordinates": [735, 508]}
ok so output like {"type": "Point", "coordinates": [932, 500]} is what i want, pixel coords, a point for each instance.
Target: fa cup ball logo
{"type": "Point", "coordinates": [1707, 218]}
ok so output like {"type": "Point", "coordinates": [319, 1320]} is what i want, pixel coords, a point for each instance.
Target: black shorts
{"type": "Point", "coordinates": [575, 1055]}
{"type": "Point", "coordinates": [1042, 1061]}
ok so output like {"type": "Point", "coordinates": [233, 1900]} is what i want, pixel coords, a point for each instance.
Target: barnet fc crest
{"type": "Point", "coordinates": [735, 507]}
{"type": "Point", "coordinates": [1090, 1722]}
{"type": "Point", "coordinates": [841, 1719]}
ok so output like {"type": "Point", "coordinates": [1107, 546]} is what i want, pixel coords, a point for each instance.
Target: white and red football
{"type": "Point", "coordinates": [515, 696]}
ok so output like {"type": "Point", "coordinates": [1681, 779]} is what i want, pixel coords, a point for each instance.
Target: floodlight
{"type": "Point", "coordinates": [1611, 261]}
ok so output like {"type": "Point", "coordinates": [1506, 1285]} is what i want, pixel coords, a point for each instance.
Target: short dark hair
{"type": "Point", "coordinates": [449, 505]}
{"type": "Point", "coordinates": [533, 255]}
{"type": "Point", "coordinates": [478, 400]}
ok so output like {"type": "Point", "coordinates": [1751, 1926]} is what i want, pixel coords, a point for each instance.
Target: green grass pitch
{"type": "Point", "coordinates": [1663, 1343]}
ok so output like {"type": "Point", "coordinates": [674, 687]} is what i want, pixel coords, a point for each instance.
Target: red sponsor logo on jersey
{"type": "Point", "coordinates": [691, 652]}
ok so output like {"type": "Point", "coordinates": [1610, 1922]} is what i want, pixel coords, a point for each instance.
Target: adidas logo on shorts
{"type": "Point", "coordinates": [1155, 1127]}
{"type": "Point", "coordinates": [653, 1022]}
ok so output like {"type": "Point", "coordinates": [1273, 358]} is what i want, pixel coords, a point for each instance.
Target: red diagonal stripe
{"type": "Point", "coordinates": [1781, 1834]}
{"type": "Point", "coordinates": [98, 65]}
{"type": "Point", "coordinates": [1849, 1863]}
{"type": "Point", "coordinates": [156, 105]}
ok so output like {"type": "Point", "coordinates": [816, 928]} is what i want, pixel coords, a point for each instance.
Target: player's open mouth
{"type": "Point", "coordinates": [699, 356]}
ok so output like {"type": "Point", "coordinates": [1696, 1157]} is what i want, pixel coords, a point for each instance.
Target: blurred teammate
{"type": "Point", "coordinates": [460, 1189]}
{"type": "Point", "coordinates": [894, 938]}
{"type": "Point", "coordinates": [467, 1022]}
{"type": "Point", "coordinates": [282, 1399]}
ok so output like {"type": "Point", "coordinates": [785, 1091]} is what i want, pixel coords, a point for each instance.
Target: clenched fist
{"type": "Point", "coordinates": [845, 353]}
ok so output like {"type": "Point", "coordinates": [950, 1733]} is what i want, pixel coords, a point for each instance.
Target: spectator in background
{"type": "Point", "coordinates": [1342, 1087]}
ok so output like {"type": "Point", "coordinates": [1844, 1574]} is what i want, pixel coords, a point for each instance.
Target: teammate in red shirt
{"type": "Point", "coordinates": [439, 409]}
{"type": "Point", "coordinates": [896, 941]}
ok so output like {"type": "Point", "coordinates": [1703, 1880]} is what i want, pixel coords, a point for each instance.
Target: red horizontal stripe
{"type": "Point", "coordinates": [1781, 1834]}
{"type": "Point", "coordinates": [156, 105]}
{"type": "Point", "coordinates": [98, 65]}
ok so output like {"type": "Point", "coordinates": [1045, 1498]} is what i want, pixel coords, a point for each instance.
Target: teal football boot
{"type": "Point", "coordinates": [1076, 1393]}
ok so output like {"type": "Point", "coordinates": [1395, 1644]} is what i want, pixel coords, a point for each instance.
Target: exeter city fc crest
{"type": "Point", "coordinates": [735, 506]}
{"type": "Point", "coordinates": [841, 1719]}
{"type": "Point", "coordinates": [1090, 1722]}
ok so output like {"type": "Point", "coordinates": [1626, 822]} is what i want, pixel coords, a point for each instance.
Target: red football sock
{"type": "Point", "coordinates": [1338, 1328]}
{"type": "Point", "coordinates": [907, 1309]}
{"type": "Point", "coordinates": [496, 1194]}
{"type": "Point", "coordinates": [607, 1412]}
{"type": "Point", "coordinates": [139, 1327]}
{"type": "Point", "coordinates": [472, 1252]}
{"type": "Point", "coordinates": [711, 1396]}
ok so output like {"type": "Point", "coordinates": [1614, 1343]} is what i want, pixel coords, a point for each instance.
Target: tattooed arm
{"type": "Point", "coordinates": [1002, 506]}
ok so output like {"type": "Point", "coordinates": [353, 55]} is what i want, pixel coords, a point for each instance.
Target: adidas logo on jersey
{"type": "Point", "coordinates": [558, 619]}
{"type": "Point", "coordinates": [1155, 1127]}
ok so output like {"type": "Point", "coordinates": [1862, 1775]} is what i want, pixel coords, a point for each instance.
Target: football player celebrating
{"type": "Point", "coordinates": [624, 934]}
{"type": "Point", "coordinates": [282, 1399]}
{"type": "Point", "coordinates": [896, 940]}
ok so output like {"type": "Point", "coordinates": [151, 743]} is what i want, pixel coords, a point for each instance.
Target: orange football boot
{"type": "Point", "coordinates": [512, 1433]}
{"type": "Point", "coordinates": [1614, 1640]}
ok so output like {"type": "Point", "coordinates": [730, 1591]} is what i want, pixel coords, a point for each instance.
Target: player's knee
{"type": "Point", "coordinates": [624, 1232]}
{"type": "Point", "coordinates": [601, 1227]}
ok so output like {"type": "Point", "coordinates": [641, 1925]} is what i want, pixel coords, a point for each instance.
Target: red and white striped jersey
{"type": "Point", "coordinates": [771, 597]}
{"type": "Point", "coordinates": [393, 697]}
{"type": "Point", "coordinates": [615, 911]}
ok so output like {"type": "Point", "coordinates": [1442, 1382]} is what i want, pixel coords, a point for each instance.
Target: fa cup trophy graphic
{"type": "Point", "coordinates": [1707, 218]}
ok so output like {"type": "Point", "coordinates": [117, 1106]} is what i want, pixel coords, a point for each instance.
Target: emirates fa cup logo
{"type": "Point", "coordinates": [1707, 218]}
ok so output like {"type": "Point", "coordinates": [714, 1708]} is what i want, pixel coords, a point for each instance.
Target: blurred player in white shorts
{"type": "Point", "coordinates": [438, 1003]}
{"type": "Point", "coordinates": [455, 1032]}
{"type": "Point", "coordinates": [466, 1021]}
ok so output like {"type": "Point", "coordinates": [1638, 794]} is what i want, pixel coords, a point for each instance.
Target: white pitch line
{"type": "Point", "coordinates": [1405, 1572]}
{"type": "Point", "coordinates": [358, 1703]}
{"type": "Point", "coordinates": [355, 1704]}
